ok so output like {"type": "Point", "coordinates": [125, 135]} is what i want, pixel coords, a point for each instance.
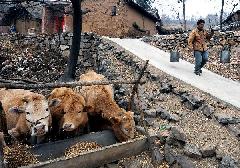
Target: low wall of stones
{"type": "Point", "coordinates": [218, 42]}
{"type": "Point", "coordinates": [56, 41]}
{"type": "Point", "coordinates": [42, 57]}
{"type": "Point", "coordinates": [170, 42]}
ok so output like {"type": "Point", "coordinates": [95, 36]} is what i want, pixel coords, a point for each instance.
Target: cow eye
{"type": "Point", "coordinates": [27, 113]}
{"type": "Point", "coordinates": [63, 112]}
{"type": "Point", "coordinates": [46, 109]}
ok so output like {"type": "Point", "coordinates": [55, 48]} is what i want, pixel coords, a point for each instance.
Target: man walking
{"type": "Point", "coordinates": [197, 44]}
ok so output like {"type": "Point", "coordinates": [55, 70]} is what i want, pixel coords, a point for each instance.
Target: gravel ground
{"type": "Point", "coordinates": [192, 121]}
{"type": "Point", "coordinates": [198, 129]}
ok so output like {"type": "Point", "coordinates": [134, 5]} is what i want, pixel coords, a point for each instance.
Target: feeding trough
{"type": "Point", "coordinates": [51, 155]}
{"type": "Point", "coordinates": [174, 56]}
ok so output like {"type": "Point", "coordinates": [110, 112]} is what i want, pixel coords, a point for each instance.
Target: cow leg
{"type": "Point", "coordinates": [87, 128]}
{"type": "Point", "coordinates": [2, 141]}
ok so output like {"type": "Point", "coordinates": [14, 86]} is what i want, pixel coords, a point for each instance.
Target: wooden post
{"type": "Point", "coordinates": [3, 123]}
{"type": "Point", "coordinates": [13, 85]}
{"type": "Point", "coordinates": [135, 87]}
{"type": "Point", "coordinates": [221, 15]}
{"type": "Point", "coordinates": [3, 128]}
{"type": "Point", "coordinates": [1, 150]}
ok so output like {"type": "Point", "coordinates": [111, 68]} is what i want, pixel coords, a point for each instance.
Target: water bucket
{"type": "Point", "coordinates": [174, 56]}
{"type": "Point", "coordinates": [225, 56]}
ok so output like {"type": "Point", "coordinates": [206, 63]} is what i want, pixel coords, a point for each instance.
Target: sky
{"type": "Point", "coordinates": [196, 8]}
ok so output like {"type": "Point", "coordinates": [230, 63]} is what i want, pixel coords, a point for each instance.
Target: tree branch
{"type": "Point", "coordinates": [135, 87]}
{"type": "Point", "coordinates": [63, 84]}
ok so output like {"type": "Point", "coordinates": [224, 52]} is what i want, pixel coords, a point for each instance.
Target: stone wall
{"type": "Point", "coordinates": [170, 42]}
{"type": "Point", "coordinates": [42, 57]}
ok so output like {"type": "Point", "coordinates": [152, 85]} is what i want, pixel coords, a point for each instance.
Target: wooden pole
{"type": "Point", "coordinates": [135, 87]}
{"type": "Point", "coordinates": [1, 150]}
{"type": "Point", "coordinates": [221, 15]}
{"type": "Point", "coordinates": [3, 127]}
{"type": "Point", "coordinates": [62, 84]}
{"type": "Point", "coordinates": [184, 16]}
{"type": "Point", "coordinates": [3, 123]}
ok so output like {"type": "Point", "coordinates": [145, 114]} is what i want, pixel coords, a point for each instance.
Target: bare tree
{"type": "Point", "coordinates": [184, 14]}
{"type": "Point", "coordinates": [70, 71]}
{"type": "Point", "coordinates": [221, 15]}
{"type": "Point", "coordinates": [234, 6]}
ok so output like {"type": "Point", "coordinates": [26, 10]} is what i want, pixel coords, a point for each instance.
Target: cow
{"type": "Point", "coordinates": [26, 112]}
{"type": "Point", "coordinates": [99, 100]}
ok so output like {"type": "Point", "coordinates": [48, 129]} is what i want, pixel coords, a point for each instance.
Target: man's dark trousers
{"type": "Point", "coordinates": [201, 58]}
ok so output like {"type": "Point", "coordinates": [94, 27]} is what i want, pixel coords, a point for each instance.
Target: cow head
{"type": "Point", "coordinates": [35, 108]}
{"type": "Point", "coordinates": [68, 106]}
{"type": "Point", "coordinates": [124, 125]}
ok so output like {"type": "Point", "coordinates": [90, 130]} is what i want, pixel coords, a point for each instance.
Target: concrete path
{"type": "Point", "coordinates": [216, 85]}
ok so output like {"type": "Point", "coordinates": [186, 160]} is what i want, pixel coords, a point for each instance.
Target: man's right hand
{"type": "Point", "coordinates": [190, 49]}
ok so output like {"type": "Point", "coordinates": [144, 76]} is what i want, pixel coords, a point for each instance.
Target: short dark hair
{"type": "Point", "coordinates": [200, 21]}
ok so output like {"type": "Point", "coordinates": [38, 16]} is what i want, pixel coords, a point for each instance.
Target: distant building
{"type": "Point", "coordinates": [22, 20]}
{"type": "Point", "coordinates": [33, 18]}
{"type": "Point", "coordinates": [116, 18]}
{"type": "Point", "coordinates": [232, 22]}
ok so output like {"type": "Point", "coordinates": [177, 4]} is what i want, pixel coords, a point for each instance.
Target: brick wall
{"type": "Point", "coordinates": [47, 21]}
{"type": "Point", "coordinates": [100, 20]}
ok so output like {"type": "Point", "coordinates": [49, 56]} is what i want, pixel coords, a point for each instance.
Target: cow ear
{"type": "Point", "coordinates": [115, 120]}
{"type": "Point", "coordinates": [54, 102]}
{"type": "Point", "coordinates": [47, 96]}
{"type": "Point", "coordinates": [87, 109]}
{"type": "Point", "coordinates": [131, 113]}
{"type": "Point", "coordinates": [15, 109]}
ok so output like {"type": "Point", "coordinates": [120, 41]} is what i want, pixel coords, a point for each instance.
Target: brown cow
{"type": "Point", "coordinates": [26, 112]}
{"type": "Point", "coordinates": [67, 107]}
{"type": "Point", "coordinates": [99, 99]}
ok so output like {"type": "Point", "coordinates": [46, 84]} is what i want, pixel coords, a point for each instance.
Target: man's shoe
{"type": "Point", "coordinates": [197, 73]}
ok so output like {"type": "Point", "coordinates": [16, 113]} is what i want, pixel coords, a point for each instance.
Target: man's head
{"type": "Point", "coordinates": [200, 24]}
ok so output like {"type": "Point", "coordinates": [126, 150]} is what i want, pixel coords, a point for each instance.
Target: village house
{"type": "Point", "coordinates": [33, 17]}
{"type": "Point", "coordinates": [22, 19]}
{"type": "Point", "coordinates": [233, 21]}
{"type": "Point", "coordinates": [115, 18]}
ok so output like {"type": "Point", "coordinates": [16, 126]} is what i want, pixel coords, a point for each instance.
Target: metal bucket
{"type": "Point", "coordinates": [225, 56]}
{"type": "Point", "coordinates": [174, 56]}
